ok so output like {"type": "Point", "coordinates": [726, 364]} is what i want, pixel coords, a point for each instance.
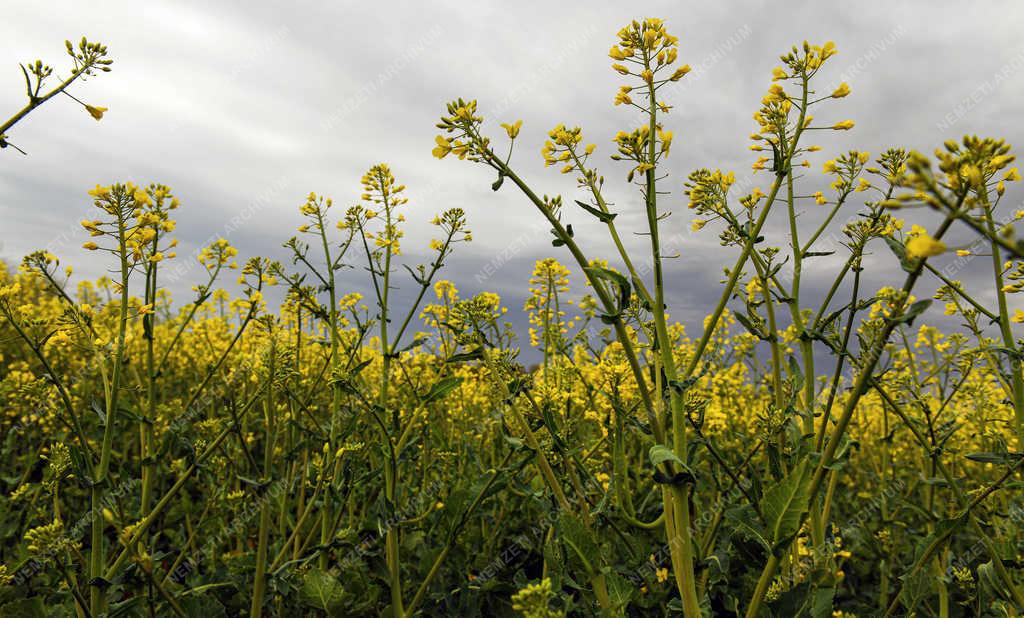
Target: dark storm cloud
{"type": "Point", "coordinates": [245, 107]}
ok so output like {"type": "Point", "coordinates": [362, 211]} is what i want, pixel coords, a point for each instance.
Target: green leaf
{"type": "Point", "coordinates": [832, 317]}
{"type": "Point", "coordinates": [1013, 354]}
{"type": "Point", "coordinates": [558, 241]}
{"type": "Point", "coordinates": [927, 548]}
{"type": "Point", "coordinates": [416, 277]}
{"type": "Point", "coordinates": [321, 590]}
{"type": "Point", "coordinates": [916, 586]}
{"type": "Point", "coordinates": [660, 453]}
{"type": "Point", "coordinates": [415, 342]}
{"type": "Point", "coordinates": [901, 252]}
{"type": "Point", "coordinates": [784, 504]}
{"type": "Point", "coordinates": [821, 604]}
{"type": "Point", "coordinates": [441, 388]}
{"type": "Point", "coordinates": [554, 558]}
{"type": "Point", "coordinates": [359, 368]}
{"type": "Point", "coordinates": [915, 310]}
{"type": "Point", "coordinates": [581, 541]}
{"type": "Point", "coordinates": [748, 323]}
{"type": "Point", "coordinates": [604, 217]}
{"type": "Point", "coordinates": [24, 608]}
{"type": "Point", "coordinates": [204, 605]}
{"type": "Point", "coordinates": [462, 357]}
{"type": "Point", "coordinates": [616, 278]}
{"type": "Point", "coordinates": [991, 581]}
{"type": "Point", "coordinates": [97, 407]}
{"type": "Point", "coordinates": [842, 455]}
{"type": "Point", "coordinates": [553, 429]}
{"type": "Point", "coordinates": [620, 591]}
{"type": "Point", "coordinates": [743, 520]}
{"type": "Point", "coordinates": [796, 374]}
{"type": "Point", "coordinates": [1000, 459]}
{"type": "Point", "coordinates": [518, 385]}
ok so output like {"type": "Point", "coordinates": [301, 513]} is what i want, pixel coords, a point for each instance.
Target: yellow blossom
{"type": "Point", "coordinates": [95, 111]}
{"type": "Point", "coordinates": [511, 129]}
{"type": "Point", "coordinates": [841, 91]}
{"type": "Point", "coordinates": [924, 246]}
{"type": "Point", "coordinates": [443, 147]}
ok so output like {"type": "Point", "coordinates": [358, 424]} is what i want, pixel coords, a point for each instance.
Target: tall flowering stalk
{"type": "Point", "coordinates": [130, 236]}
{"type": "Point", "coordinates": [375, 227]}
{"type": "Point", "coordinates": [316, 209]}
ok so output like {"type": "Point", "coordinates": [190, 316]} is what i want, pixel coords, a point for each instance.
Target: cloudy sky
{"type": "Point", "coordinates": [245, 107]}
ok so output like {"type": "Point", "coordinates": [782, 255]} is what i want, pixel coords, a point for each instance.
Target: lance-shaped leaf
{"type": "Point", "coordinates": [785, 503]}
{"type": "Point", "coordinates": [1000, 459]}
{"type": "Point", "coordinates": [615, 278]}
{"type": "Point", "coordinates": [604, 217]}
{"type": "Point", "coordinates": [441, 388]}
{"type": "Point", "coordinates": [461, 357]}
{"type": "Point", "coordinates": [906, 262]}
{"type": "Point", "coordinates": [913, 311]}
{"type": "Point", "coordinates": [748, 324]}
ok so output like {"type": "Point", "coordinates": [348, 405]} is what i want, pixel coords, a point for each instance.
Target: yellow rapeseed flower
{"type": "Point", "coordinates": [511, 129]}
{"type": "Point", "coordinates": [443, 147]}
{"type": "Point", "coordinates": [841, 91]}
{"type": "Point", "coordinates": [924, 246]}
{"type": "Point", "coordinates": [95, 111]}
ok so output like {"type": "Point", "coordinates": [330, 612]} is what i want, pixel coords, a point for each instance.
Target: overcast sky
{"type": "Point", "coordinates": [245, 107]}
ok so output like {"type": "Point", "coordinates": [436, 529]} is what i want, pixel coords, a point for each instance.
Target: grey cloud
{"type": "Point", "coordinates": [251, 103]}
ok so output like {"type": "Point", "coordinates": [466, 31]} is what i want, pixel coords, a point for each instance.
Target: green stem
{"type": "Point", "coordinates": [97, 554]}
{"type": "Point", "coordinates": [335, 409]}
{"type": "Point", "coordinates": [1016, 379]}
{"type": "Point", "coordinates": [35, 102]}
{"type": "Point", "coordinates": [270, 412]}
